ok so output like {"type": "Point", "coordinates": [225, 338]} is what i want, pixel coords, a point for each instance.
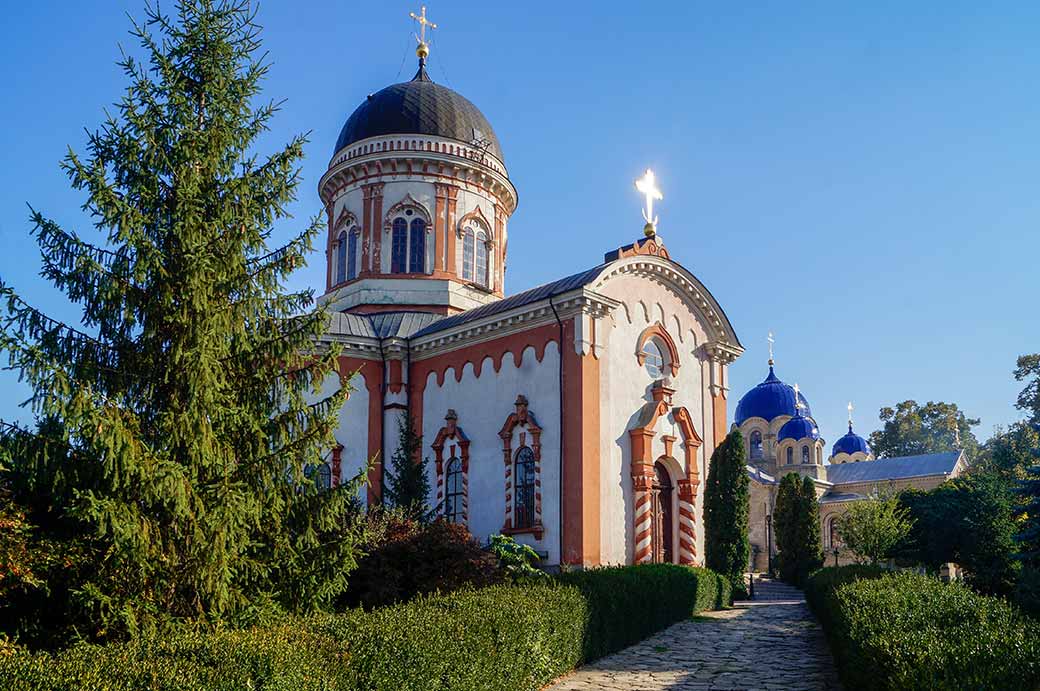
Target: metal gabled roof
{"type": "Point", "coordinates": [542, 292]}
{"type": "Point", "coordinates": [893, 468]}
{"type": "Point", "coordinates": [401, 324]}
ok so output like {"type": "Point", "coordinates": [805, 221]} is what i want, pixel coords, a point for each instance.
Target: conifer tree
{"type": "Point", "coordinates": [726, 510]}
{"type": "Point", "coordinates": [185, 403]}
{"type": "Point", "coordinates": [797, 521]}
{"type": "Point", "coordinates": [407, 486]}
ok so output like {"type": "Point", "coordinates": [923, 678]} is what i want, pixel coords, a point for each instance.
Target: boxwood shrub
{"type": "Point", "coordinates": [908, 631]}
{"type": "Point", "coordinates": [499, 638]}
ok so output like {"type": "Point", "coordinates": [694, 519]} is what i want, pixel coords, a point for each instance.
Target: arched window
{"type": "Point", "coordinates": [832, 533]}
{"type": "Point", "coordinates": [790, 455]}
{"type": "Point", "coordinates": [341, 258]}
{"type": "Point", "coordinates": [320, 474]}
{"type": "Point", "coordinates": [819, 455]}
{"type": "Point", "coordinates": [523, 495]}
{"type": "Point", "coordinates": [756, 445]}
{"type": "Point", "coordinates": [352, 262]}
{"type": "Point", "coordinates": [453, 491]}
{"type": "Point", "coordinates": [481, 260]}
{"type": "Point", "coordinates": [417, 257]}
{"type": "Point", "coordinates": [468, 244]}
{"type": "Point", "coordinates": [653, 359]}
{"type": "Point", "coordinates": [399, 246]}
{"type": "Point", "coordinates": [806, 459]}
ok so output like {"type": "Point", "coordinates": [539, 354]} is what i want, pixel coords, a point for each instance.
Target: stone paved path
{"type": "Point", "coordinates": [772, 643]}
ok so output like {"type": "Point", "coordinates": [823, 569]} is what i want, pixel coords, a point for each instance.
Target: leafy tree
{"type": "Point", "coordinates": [910, 429]}
{"type": "Point", "coordinates": [407, 486]}
{"type": "Point", "coordinates": [726, 509]}
{"type": "Point", "coordinates": [969, 520]}
{"type": "Point", "coordinates": [1028, 539]}
{"type": "Point", "coordinates": [873, 527]}
{"type": "Point", "coordinates": [797, 521]}
{"type": "Point", "coordinates": [185, 404]}
{"type": "Point", "coordinates": [1009, 452]}
{"type": "Point", "coordinates": [1027, 369]}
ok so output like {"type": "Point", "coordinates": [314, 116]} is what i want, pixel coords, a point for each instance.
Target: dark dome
{"type": "Point", "coordinates": [419, 107]}
{"type": "Point", "coordinates": [768, 400]}
{"type": "Point", "coordinates": [850, 444]}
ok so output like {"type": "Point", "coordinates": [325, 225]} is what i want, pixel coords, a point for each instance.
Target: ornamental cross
{"type": "Point", "coordinates": [771, 342]}
{"type": "Point", "coordinates": [423, 23]}
{"type": "Point", "coordinates": [647, 185]}
{"type": "Point", "coordinates": [798, 398]}
{"type": "Point", "coordinates": [850, 414]}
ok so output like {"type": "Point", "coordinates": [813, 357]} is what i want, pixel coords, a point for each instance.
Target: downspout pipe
{"type": "Point", "coordinates": [382, 413]}
{"type": "Point", "coordinates": [559, 505]}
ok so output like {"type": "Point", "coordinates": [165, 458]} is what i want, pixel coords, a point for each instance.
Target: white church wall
{"type": "Point", "coordinates": [625, 387]}
{"type": "Point", "coordinates": [482, 405]}
{"type": "Point", "coordinates": [352, 430]}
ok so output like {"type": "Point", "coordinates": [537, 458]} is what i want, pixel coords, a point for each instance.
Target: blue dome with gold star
{"type": "Point", "coordinates": [799, 427]}
{"type": "Point", "coordinates": [851, 443]}
{"type": "Point", "coordinates": [770, 399]}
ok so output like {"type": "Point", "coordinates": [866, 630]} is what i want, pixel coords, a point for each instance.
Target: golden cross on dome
{"type": "Point", "coordinates": [771, 342]}
{"type": "Point", "coordinates": [422, 50]}
{"type": "Point", "coordinates": [798, 398]}
{"type": "Point", "coordinates": [647, 185]}
{"type": "Point", "coordinates": [850, 414]}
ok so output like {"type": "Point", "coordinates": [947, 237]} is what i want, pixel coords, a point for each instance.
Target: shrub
{"type": "Point", "coordinates": [797, 522]}
{"type": "Point", "coordinates": [904, 630]}
{"type": "Point", "coordinates": [628, 603]}
{"type": "Point", "coordinates": [726, 545]}
{"type": "Point", "coordinates": [519, 561]}
{"type": "Point", "coordinates": [405, 558]}
{"type": "Point", "coordinates": [499, 638]}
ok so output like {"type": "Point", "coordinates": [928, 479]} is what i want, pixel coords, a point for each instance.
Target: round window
{"type": "Point", "coordinates": [653, 359]}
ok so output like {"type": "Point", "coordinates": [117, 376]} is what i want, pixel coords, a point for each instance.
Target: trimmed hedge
{"type": "Point", "coordinates": [904, 630]}
{"type": "Point", "coordinates": [629, 603]}
{"type": "Point", "coordinates": [500, 638]}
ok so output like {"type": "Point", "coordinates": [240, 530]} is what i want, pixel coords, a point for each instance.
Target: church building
{"type": "Point", "coordinates": [781, 437]}
{"type": "Point", "coordinates": [578, 416]}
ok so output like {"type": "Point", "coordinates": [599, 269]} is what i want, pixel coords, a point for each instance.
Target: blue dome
{"type": "Point", "coordinates": [799, 427]}
{"type": "Point", "coordinates": [772, 398]}
{"type": "Point", "coordinates": [850, 444]}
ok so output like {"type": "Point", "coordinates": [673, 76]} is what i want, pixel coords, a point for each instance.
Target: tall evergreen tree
{"type": "Point", "coordinates": [185, 402]}
{"type": "Point", "coordinates": [407, 485]}
{"type": "Point", "coordinates": [726, 509]}
{"type": "Point", "coordinates": [796, 518]}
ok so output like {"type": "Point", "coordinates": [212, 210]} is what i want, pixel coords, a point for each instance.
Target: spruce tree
{"type": "Point", "coordinates": [184, 405]}
{"type": "Point", "coordinates": [726, 510]}
{"type": "Point", "coordinates": [407, 486]}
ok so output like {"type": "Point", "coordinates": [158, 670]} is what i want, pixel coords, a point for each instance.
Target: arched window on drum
{"type": "Point", "coordinates": [756, 445]}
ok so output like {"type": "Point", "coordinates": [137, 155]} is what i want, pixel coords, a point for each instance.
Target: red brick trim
{"type": "Point", "coordinates": [522, 418]}
{"type": "Point", "coordinates": [658, 331]}
{"type": "Point", "coordinates": [452, 432]}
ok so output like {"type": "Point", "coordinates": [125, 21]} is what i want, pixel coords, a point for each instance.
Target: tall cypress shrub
{"type": "Point", "coordinates": [185, 405]}
{"type": "Point", "coordinates": [726, 511]}
{"type": "Point", "coordinates": [797, 521]}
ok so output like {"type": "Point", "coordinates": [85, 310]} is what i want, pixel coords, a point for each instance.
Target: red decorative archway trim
{"type": "Point", "coordinates": [451, 432]}
{"type": "Point", "coordinates": [522, 417]}
{"type": "Point", "coordinates": [643, 459]}
{"type": "Point", "coordinates": [659, 332]}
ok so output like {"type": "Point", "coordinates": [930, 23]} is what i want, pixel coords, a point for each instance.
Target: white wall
{"type": "Point", "coordinates": [625, 388]}
{"type": "Point", "coordinates": [352, 431]}
{"type": "Point", "coordinates": [482, 405]}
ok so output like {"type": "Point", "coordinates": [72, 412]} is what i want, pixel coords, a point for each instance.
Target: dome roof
{"type": "Point", "coordinates": [419, 107]}
{"type": "Point", "coordinates": [850, 444]}
{"type": "Point", "coordinates": [770, 399]}
{"type": "Point", "coordinates": [799, 427]}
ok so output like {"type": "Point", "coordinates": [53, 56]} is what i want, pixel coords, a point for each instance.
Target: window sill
{"type": "Point", "coordinates": [536, 530]}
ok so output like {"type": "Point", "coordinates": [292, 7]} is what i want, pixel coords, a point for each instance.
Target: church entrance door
{"type": "Point", "coordinates": [661, 507]}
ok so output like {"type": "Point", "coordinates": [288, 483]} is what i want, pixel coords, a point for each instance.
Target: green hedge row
{"type": "Point", "coordinates": [908, 631]}
{"type": "Point", "coordinates": [629, 603]}
{"type": "Point", "coordinates": [507, 638]}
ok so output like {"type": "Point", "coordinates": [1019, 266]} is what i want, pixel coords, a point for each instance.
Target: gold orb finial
{"type": "Point", "coordinates": [423, 51]}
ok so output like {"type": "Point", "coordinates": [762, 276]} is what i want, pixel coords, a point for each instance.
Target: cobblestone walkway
{"type": "Point", "coordinates": [765, 644]}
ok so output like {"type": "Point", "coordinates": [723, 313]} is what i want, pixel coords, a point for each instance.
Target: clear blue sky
{"type": "Point", "coordinates": [861, 178]}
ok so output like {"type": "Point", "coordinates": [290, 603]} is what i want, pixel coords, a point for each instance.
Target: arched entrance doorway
{"type": "Point", "coordinates": [662, 516]}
